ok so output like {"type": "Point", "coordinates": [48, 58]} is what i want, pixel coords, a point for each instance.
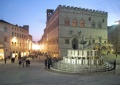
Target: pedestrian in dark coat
{"type": "Point", "coordinates": [49, 63]}
{"type": "Point", "coordinates": [114, 64]}
{"type": "Point", "coordinates": [45, 62]}
{"type": "Point", "coordinates": [5, 59]}
{"type": "Point", "coordinates": [20, 62]}
{"type": "Point", "coordinates": [27, 63]}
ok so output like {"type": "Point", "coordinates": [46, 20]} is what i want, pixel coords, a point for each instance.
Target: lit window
{"type": "Point", "coordinates": [12, 44]}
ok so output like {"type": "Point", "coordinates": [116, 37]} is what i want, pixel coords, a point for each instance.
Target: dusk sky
{"type": "Point", "coordinates": [33, 12]}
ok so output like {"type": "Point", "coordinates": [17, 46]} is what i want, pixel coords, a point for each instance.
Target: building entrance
{"type": "Point", "coordinates": [75, 43]}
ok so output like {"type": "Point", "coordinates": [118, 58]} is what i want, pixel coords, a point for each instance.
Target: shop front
{"type": "Point", "coordinates": [1, 54]}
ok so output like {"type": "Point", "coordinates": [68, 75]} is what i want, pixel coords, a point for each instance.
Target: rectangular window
{"type": "Point", "coordinates": [12, 33]}
{"type": "Point", "coordinates": [89, 18]}
{"type": "Point", "coordinates": [93, 41]}
{"type": "Point", "coordinates": [91, 53]}
{"type": "Point", "coordinates": [5, 39]}
{"type": "Point", "coordinates": [82, 24]}
{"type": "Point", "coordinates": [66, 41]}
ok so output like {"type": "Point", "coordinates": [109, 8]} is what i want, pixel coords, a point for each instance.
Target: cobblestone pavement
{"type": "Point", "coordinates": [11, 74]}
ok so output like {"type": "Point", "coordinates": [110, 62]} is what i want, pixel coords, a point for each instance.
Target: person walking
{"type": "Point", "coordinates": [46, 62]}
{"type": "Point", "coordinates": [49, 62]}
{"type": "Point", "coordinates": [27, 63]}
{"type": "Point", "coordinates": [114, 64]}
{"type": "Point", "coordinates": [20, 62]}
{"type": "Point", "coordinates": [23, 61]}
{"type": "Point", "coordinates": [5, 59]}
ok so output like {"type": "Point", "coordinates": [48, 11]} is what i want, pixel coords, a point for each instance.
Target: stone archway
{"type": "Point", "coordinates": [75, 43]}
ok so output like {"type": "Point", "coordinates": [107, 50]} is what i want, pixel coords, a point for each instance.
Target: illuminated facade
{"type": "Point", "coordinates": [14, 40]}
{"type": "Point", "coordinates": [67, 28]}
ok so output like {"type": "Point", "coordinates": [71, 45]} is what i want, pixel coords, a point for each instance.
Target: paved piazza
{"type": "Point", "coordinates": [11, 74]}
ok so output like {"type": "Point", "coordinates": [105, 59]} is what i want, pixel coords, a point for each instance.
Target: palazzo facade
{"type": "Point", "coordinates": [74, 28]}
{"type": "Point", "coordinates": [14, 40]}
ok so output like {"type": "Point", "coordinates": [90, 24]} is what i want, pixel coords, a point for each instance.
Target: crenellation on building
{"type": "Point", "coordinates": [68, 23]}
{"type": "Point", "coordinates": [81, 9]}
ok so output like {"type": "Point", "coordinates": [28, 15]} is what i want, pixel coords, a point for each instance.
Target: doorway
{"type": "Point", "coordinates": [75, 43]}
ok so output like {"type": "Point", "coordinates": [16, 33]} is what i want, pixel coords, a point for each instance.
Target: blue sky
{"type": "Point", "coordinates": [33, 12]}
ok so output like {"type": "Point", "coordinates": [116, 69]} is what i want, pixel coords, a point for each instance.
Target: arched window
{"type": "Point", "coordinates": [99, 25]}
{"type": "Point", "coordinates": [74, 23]}
{"type": "Point", "coordinates": [103, 20]}
{"type": "Point", "coordinates": [82, 23]}
{"type": "Point", "coordinates": [89, 18]}
{"type": "Point", "coordinates": [93, 24]}
{"type": "Point", "coordinates": [5, 29]}
{"type": "Point", "coordinates": [66, 21]}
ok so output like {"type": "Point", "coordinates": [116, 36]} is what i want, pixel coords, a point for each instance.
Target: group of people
{"type": "Point", "coordinates": [22, 61]}
{"type": "Point", "coordinates": [49, 61]}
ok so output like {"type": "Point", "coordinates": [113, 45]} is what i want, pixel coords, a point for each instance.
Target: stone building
{"type": "Point", "coordinates": [114, 36]}
{"type": "Point", "coordinates": [14, 40]}
{"type": "Point", "coordinates": [74, 28]}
